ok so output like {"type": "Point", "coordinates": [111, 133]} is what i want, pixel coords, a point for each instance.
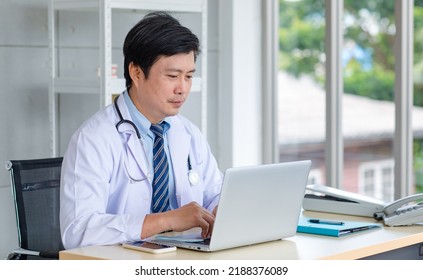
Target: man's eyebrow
{"type": "Point", "coordinates": [178, 70]}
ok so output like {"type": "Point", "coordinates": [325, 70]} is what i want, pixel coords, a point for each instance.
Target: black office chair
{"type": "Point", "coordinates": [36, 188]}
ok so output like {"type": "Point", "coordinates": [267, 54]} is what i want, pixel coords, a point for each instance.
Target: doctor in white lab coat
{"type": "Point", "coordinates": [106, 185]}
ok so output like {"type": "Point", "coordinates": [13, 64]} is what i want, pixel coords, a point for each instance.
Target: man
{"type": "Point", "coordinates": [137, 168]}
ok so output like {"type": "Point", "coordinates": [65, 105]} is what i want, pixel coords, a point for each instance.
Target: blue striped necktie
{"type": "Point", "coordinates": [161, 171]}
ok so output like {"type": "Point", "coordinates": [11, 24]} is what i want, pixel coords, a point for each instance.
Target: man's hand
{"type": "Point", "coordinates": [184, 218]}
{"type": "Point", "coordinates": [215, 211]}
{"type": "Point", "coordinates": [192, 215]}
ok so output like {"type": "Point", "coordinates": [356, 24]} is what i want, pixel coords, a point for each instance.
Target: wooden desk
{"type": "Point", "coordinates": [301, 246]}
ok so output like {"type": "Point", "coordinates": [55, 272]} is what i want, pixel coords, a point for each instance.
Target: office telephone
{"type": "Point", "coordinates": [402, 212]}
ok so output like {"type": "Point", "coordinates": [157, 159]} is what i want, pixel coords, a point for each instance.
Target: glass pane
{"type": "Point", "coordinates": [417, 116]}
{"type": "Point", "coordinates": [368, 100]}
{"type": "Point", "coordinates": [301, 84]}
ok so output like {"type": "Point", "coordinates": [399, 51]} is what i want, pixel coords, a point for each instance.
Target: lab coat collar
{"type": "Point", "coordinates": [179, 145]}
{"type": "Point", "coordinates": [134, 150]}
{"type": "Point", "coordinates": [124, 127]}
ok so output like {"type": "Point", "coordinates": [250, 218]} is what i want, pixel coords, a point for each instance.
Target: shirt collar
{"type": "Point", "coordinates": [142, 123]}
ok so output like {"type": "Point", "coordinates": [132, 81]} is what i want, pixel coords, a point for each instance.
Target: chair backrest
{"type": "Point", "coordinates": [36, 189]}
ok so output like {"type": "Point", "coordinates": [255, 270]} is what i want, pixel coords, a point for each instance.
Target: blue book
{"type": "Point", "coordinates": [332, 227]}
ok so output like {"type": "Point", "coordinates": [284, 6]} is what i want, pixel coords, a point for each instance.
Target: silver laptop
{"type": "Point", "coordinates": [257, 204]}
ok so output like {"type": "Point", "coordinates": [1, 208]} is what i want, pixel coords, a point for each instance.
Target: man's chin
{"type": "Point", "coordinates": [173, 113]}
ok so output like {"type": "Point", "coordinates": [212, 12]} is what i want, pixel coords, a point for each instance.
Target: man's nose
{"type": "Point", "coordinates": [184, 86]}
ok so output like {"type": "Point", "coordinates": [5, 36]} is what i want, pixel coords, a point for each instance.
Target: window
{"type": "Point", "coordinates": [369, 182]}
{"type": "Point", "coordinates": [369, 76]}
{"type": "Point", "coordinates": [301, 83]}
{"type": "Point", "coordinates": [376, 179]}
{"type": "Point", "coordinates": [368, 98]}
{"type": "Point", "coordinates": [417, 116]}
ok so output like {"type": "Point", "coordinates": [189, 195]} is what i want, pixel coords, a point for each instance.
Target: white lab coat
{"type": "Point", "coordinates": [100, 204]}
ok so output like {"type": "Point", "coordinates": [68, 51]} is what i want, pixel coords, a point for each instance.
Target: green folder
{"type": "Point", "coordinates": [332, 227]}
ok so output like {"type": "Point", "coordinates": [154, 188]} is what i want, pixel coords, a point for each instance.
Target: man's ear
{"type": "Point", "coordinates": [135, 73]}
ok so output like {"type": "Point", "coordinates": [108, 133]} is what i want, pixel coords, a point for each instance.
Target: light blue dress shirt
{"type": "Point", "coordinates": [147, 138]}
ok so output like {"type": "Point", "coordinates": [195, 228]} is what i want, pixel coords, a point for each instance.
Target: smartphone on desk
{"type": "Point", "coordinates": [148, 247]}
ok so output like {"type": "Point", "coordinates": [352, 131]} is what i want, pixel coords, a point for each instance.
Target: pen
{"type": "Point", "coordinates": [317, 221]}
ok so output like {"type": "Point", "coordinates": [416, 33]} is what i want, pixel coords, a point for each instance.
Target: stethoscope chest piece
{"type": "Point", "coordinates": [193, 177]}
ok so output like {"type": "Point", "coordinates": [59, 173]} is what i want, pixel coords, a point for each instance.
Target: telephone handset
{"type": "Point", "coordinates": [401, 212]}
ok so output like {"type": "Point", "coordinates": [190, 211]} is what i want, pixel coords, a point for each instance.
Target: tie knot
{"type": "Point", "coordinates": [158, 129]}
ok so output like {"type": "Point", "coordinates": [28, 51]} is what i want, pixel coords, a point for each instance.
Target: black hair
{"type": "Point", "coordinates": [157, 34]}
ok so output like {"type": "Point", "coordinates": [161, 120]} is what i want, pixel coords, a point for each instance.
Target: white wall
{"type": "Point", "coordinates": [24, 97]}
{"type": "Point", "coordinates": [233, 85]}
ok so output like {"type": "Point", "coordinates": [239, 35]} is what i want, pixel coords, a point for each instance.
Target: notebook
{"type": "Point", "coordinates": [331, 227]}
{"type": "Point", "coordinates": [257, 204]}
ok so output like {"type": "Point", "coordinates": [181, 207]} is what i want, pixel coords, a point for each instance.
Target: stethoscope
{"type": "Point", "coordinates": [193, 176]}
